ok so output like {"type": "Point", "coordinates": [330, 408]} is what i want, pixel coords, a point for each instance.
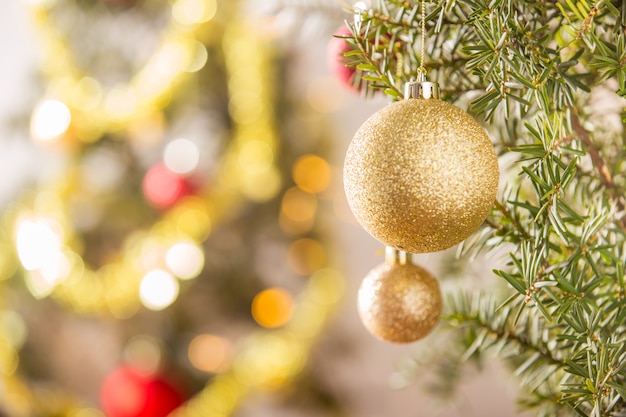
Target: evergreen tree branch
{"type": "Point", "coordinates": [502, 209]}
{"type": "Point", "coordinates": [498, 325]}
{"type": "Point", "coordinates": [598, 162]}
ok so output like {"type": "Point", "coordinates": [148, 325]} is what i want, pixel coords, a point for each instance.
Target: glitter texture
{"type": "Point", "coordinates": [421, 175]}
{"type": "Point", "coordinates": [399, 303]}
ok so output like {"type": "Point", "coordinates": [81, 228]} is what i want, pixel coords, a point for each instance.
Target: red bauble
{"type": "Point", "coordinates": [128, 393]}
{"type": "Point", "coordinates": [335, 59]}
{"type": "Point", "coordinates": [164, 188]}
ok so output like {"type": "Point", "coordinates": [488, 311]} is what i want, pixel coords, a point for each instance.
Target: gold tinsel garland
{"type": "Point", "coordinates": [96, 111]}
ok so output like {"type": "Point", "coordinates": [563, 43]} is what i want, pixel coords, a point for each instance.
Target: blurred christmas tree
{"type": "Point", "coordinates": [548, 79]}
{"type": "Point", "coordinates": [175, 216]}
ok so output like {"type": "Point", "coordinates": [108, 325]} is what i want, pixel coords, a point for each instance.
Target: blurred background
{"type": "Point", "coordinates": [174, 225]}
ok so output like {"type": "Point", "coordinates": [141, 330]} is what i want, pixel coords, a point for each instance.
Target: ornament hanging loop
{"type": "Point", "coordinates": [422, 69]}
{"type": "Point", "coordinates": [421, 89]}
{"type": "Point", "coordinates": [395, 256]}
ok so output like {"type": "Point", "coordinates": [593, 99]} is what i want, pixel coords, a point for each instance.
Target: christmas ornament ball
{"type": "Point", "coordinates": [399, 303]}
{"type": "Point", "coordinates": [127, 392]}
{"type": "Point", "coordinates": [421, 175]}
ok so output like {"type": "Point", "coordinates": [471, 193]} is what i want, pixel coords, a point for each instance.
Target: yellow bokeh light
{"type": "Point", "coordinates": [272, 307]}
{"type": "Point", "coordinates": [306, 256]}
{"type": "Point", "coordinates": [191, 218]}
{"type": "Point", "coordinates": [9, 359]}
{"type": "Point", "coordinates": [88, 412]}
{"type": "Point", "coordinates": [312, 173]}
{"type": "Point", "coordinates": [144, 354]}
{"type": "Point", "coordinates": [255, 157]}
{"type": "Point", "coordinates": [13, 328]}
{"type": "Point", "coordinates": [50, 120]}
{"type": "Point", "coordinates": [299, 205]}
{"type": "Point", "coordinates": [158, 289]}
{"type": "Point", "coordinates": [86, 94]}
{"type": "Point", "coordinates": [326, 286]}
{"type": "Point", "coordinates": [246, 106]}
{"type": "Point", "coordinates": [185, 260]}
{"type": "Point", "coordinates": [199, 57]}
{"type": "Point", "coordinates": [210, 353]}
{"type": "Point", "coordinates": [192, 12]}
{"type": "Point", "coordinates": [262, 186]}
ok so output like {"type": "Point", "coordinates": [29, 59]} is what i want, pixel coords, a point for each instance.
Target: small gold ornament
{"type": "Point", "coordinates": [421, 174]}
{"type": "Point", "coordinates": [399, 301]}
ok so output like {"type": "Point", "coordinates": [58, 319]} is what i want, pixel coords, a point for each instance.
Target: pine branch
{"type": "Point", "coordinates": [502, 209]}
{"type": "Point", "coordinates": [535, 63]}
{"type": "Point", "coordinates": [598, 162]}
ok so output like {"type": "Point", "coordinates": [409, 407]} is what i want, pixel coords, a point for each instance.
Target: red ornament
{"type": "Point", "coordinates": [164, 188]}
{"type": "Point", "coordinates": [335, 59]}
{"type": "Point", "coordinates": [128, 393]}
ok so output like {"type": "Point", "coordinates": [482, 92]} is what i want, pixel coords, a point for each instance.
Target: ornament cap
{"type": "Point", "coordinates": [395, 256]}
{"type": "Point", "coordinates": [421, 89]}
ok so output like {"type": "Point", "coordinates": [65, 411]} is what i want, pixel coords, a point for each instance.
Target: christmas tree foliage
{"type": "Point", "coordinates": [548, 79]}
{"type": "Point", "coordinates": [170, 256]}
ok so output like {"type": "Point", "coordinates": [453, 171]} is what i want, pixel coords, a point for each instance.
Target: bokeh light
{"type": "Point", "coordinates": [326, 286]}
{"type": "Point", "coordinates": [158, 289]}
{"type": "Point", "coordinates": [199, 57]}
{"type": "Point", "coordinates": [127, 393]}
{"type": "Point", "coordinates": [255, 157]}
{"type": "Point", "coordinates": [164, 188]}
{"type": "Point", "coordinates": [192, 219]}
{"type": "Point", "coordinates": [88, 412]}
{"type": "Point", "coordinates": [312, 173]}
{"type": "Point", "coordinates": [262, 186]}
{"type": "Point", "coordinates": [40, 250]}
{"type": "Point", "coordinates": [272, 307]}
{"type": "Point", "coordinates": [181, 156]}
{"type": "Point", "coordinates": [299, 205]}
{"type": "Point", "coordinates": [50, 120]}
{"type": "Point", "coordinates": [36, 239]}
{"type": "Point", "coordinates": [192, 12]}
{"type": "Point", "coordinates": [306, 256]}
{"type": "Point", "coordinates": [210, 353]}
{"type": "Point", "coordinates": [87, 94]}
{"type": "Point", "coordinates": [13, 328]}
{"type": "Point", "coordinates": [185, 260]}
{"type": "Point", "coordinates": [143, 353]}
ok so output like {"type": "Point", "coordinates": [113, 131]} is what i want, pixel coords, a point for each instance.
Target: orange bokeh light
{"type": "Point", "coordinates": [209, 353]}
{"type": "Point", "coordinates": [272, 307]}
{"type": "Point", "coordinates": [312, 173]}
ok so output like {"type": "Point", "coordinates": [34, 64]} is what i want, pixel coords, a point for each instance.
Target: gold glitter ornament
{"type": "Point", "coordinates": [399, 301]}
{"type": "Point", "coordinates": [421, 175]}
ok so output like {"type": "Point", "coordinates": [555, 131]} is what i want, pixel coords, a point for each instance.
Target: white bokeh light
{"type": "Point", "coordinates": [158, 289]}
{"type": "Point", "coordinates": [185, 260]}
{"type": "Point", "coordinates": [40, 250]}
{"type": "Point", "coordinates": [181, 156]}
{"type": "Point", "coordinates": [36, 242]}
{"type": "Point", "coordinates": [50, 119]}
